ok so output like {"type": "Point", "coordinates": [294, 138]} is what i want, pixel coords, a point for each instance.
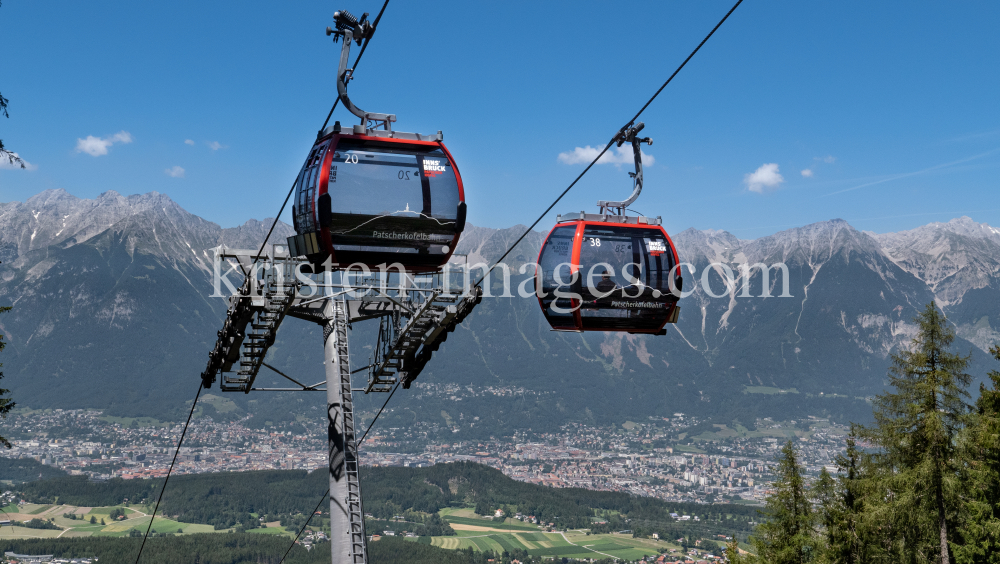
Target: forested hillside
{"type": "Point", "coordinates": [233, 549]}
{"type": "Point", "coordinates": [20, 470]}
{"type": "Point", "coordinates": [227, 499]}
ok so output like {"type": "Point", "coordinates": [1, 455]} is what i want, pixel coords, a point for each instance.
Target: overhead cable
{"type": "Point", "coordinates": [325, 122]}
{"type": "Point", "coordinates": [292, 189]}
{"type": "Point", "coordinates": [350, 75]}
{"type": "Point", "coordinates": [306, 524]}
{"type": "Point", "coordinates": [327, 492]}
{"type": "Point", "coordinates": [608, 146]}
{"type": "Point", "coordinates": [372, 424]}
{"type": "Point", "coordinates": [169, 471]}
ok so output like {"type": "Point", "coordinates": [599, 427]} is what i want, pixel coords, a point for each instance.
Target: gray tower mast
{"type": "Point", "coordinates": [416, 313]}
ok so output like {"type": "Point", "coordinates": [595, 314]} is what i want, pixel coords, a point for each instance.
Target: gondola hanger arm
{"type": "Point", "coordinates": [353, 29]}
{"type": "Point", "coordinates": [629, 134]}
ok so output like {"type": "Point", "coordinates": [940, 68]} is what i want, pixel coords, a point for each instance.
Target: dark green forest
{"type": "Point", "coordinates": [919, 485]}
{"type": "Point", "coordinates": [227, 499]}
{"type": "Point", "coordinates": [233, 548]}
{"type": "Point", "coordinates": [230, 548]}
{"type": "Point", "coordinates": [20, 470]}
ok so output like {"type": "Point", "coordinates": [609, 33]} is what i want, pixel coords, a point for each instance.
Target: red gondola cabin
{"type": "Point", "coordinates": [378, 197]}
{"type": "Point", "coordinates": [608, 273]}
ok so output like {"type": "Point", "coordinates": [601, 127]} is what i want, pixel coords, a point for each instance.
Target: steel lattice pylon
{"type": "Point", "coordinates": [416, 313]}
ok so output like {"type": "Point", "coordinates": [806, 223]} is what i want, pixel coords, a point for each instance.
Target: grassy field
{"type": "Point", "coordinates": [569, 545]}
{"type": "Point", "coordinates": [221, 404]}
{"type": "Point", "coordinates": [82, 527]}
{"type": "Point", "coordinates": [513, 534]}
{"type": "Point", "coordinates": [272, 531]}
{"type": "Point", "coordinates": [507, 524]}
{"type": "Point", "coordinates": [466, 516]}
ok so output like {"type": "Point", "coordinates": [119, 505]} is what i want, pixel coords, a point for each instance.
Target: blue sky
{"type": "Point", "coordinates": [891, 107]}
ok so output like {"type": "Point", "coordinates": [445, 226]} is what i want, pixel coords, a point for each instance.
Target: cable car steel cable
{"type": "Point", "coordinates": [369, 196]}
{"type": "Point", "coordinates": [327, 492]}
{"type": "Point", "coordinates": [622, 132]}
{"type": "Point", "coordinates": [152, 517]}
{"type": "Point", "coordinates": [306, 524]}
{"type": "Point", "coordinates": [608, 146]}
{"type": "Point", "coordinates": [353, 68]}
{"type": "Point", "coordinates": [326, 121]}
{"type": "Point", "coordinates": [633, 257]}
{"type": "Point", "coordinates": [255, 258]}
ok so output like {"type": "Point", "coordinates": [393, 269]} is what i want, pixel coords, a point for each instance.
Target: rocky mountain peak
{"type": "Point", "coordinates": [952, 257]}
{"type": "Point", "coordinates": [100, 279]}
{"type": "Point", "coordinates": [51, 197]}
{"type": "Point", "coordinates": [714, 244]}
{"type": "Point", "coordinates": [814, 244]}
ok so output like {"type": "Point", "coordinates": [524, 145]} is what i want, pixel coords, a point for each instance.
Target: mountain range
{"type": "Point", "coordinates": [112, 311]}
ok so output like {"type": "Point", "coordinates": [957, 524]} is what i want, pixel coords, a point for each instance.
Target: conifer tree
{"type": "Point", "coordinates": [6, 404]}
{"type": "Point", "coordinates": [733, 555]}
{"type": "Point", "coordinates": [981, 531]}
{"type": "Point", "coordinates": [787, 536]}
{"type": "Point", "coordinates": [830, 513]}
{"type": "Point", "coordinates": [914, 493]}
{"type": "Point", "coordinates": [10, 156]}
{"type": "Point", "coordinates": [839, 504]}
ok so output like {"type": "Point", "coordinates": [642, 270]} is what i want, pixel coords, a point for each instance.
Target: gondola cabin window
{"type": "Point", "coordinates": [405, 184]}
{"type": "Point", "coordinates": [629, 258]}
{"type": "Point", "coordinates": [556, 274]}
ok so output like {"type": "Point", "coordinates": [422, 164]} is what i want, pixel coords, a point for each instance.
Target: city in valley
{"type": "Point", "coordinates": [674, 458]}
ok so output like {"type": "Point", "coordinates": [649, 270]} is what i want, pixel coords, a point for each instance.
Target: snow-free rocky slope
{"type": "Point", "coordinates": [112, 310]}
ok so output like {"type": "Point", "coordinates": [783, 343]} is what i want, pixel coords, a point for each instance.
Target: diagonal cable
{"type": "Point", "coordinates": [370, 425]}
{"type": "Point", "coordinates": [167, 479]}
{"type": "Point", "coordinates": [292, 189]}
{"type": "Point", "coordinates": [608, 146]}
{"type": "Point", "coordinates": [296, 539]}
{"type": "Point", "coordinates": [351, 74]}
{"type": "Point", "coordinates": [532, 226]}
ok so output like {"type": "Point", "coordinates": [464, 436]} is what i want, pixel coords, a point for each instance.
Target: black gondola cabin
{"type": "Point", "coordinates": [373, 199]}
{"type": "Point", "coordinates": [601, 273]}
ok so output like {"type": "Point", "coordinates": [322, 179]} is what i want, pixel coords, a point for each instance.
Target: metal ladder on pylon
{"type": "Point", "coordinates": [395, 354]}
{"type": "Point", "coordinates": [266, 313]}
{"type": "Point", "coordinates": [355, 510]}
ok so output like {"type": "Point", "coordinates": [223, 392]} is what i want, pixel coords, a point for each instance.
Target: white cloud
{"type": "Point", "coordinates": [584, 155]}
{"type": "Point", "coordinates": [764, 177]}
{"type": "Point", "coordinates": [6, 164]}
{"type": "Point", "coordinates": [175, 172]}
{"type": "Point", "coordinates": [97, 146]}
{"type": "Point", "coordinates": [829, 159]}
{"type": "Point", "coordinates": [122, 137]}
{"type": "Point", "coordinates": [807, 173]}
{"type": "Point", "coordinates": [189, 142]}
{"type": "Point", "coordinates": [215, 146]}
